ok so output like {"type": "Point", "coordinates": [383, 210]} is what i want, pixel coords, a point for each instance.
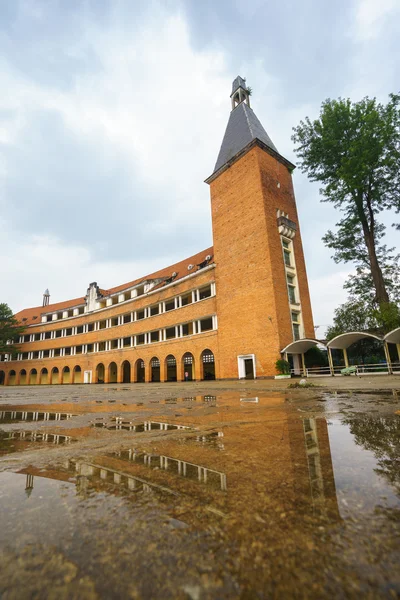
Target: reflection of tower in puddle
{"type": "Point", "coordinates": [319, 464]}
{"type": "Point", "coordinates": [29, 485]}
{"type": "Point", "coordinates": [82, 481]}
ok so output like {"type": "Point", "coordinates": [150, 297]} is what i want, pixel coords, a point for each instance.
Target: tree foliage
{"type": "Point", "coordinates": [360, 315]}
{"type": "Point", "coordinates": [353, 150]}
{"type": "Point", "coordinates": [10, 329]}
{"type": "Point", "coordinates": [380, 435]}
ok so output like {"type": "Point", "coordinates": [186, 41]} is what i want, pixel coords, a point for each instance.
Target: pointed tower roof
{"type": "Point", "coordinates": [243, 131]}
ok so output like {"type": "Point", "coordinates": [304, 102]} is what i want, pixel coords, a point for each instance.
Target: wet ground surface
{"type": "Point", "coordinates": [179, 491]}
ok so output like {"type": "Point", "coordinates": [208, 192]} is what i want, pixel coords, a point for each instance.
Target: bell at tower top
{"type": "Point", "coordinates": [240, 92]}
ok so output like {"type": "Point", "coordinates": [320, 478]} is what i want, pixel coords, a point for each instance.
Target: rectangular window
{"type": "Point", "coordinates": [114, 321]}
{"type": "Point", "coordinates": [292, 294]}
{"type": "Point", "coordinates": [296, 331]}
{"type": "Point", "coordinates": [127, 342]}
{"type": "Point", "coordinates": [79, 329]}
{"type": "Point", "coordinates": [78, 350]}
{"type": "Point", "coordinates": [206, 324]}
{"type": "Point", "coordinates": [90, 348]}
{"type": "Point", "coordinates": [25, 356]}
{"type": "Point", "coordinates": [187, 329]}
{"type": "Point", "coordinates": [154, 310]}
{"type": "Point", "coordinates": [285, 244]}
{"type": "Point", "coordinates": [127, 318]}
{"type": "Point", "coordinates": [57, 351]}
{"type": "Point", "coordinates": [68, 331]}
{"type": "Point", "coordinates": [154, 336]}
{"type": "Point", "coordinates": [67, 351]}
{"type": "Point", "coordinates": [170, 305]}
{"type": "Point", "coordinates": [170, 333]}
{"type": "Point", "coordinates": [35, 354]}
{"type": "Point", "coordinates": [102, 324]}
{"type": "Point", "coordinates": [90, 326]}
{"type": "Point", "coordinates": [140, 315]}
{"type": "Point", "coordinates": [205, 292]}
{"type": "Point", "coordinates": [102, 346]}
{"type": "Point", "coordinates": [26, 338]}
{"type": "Point", "coordinates": [36, 337]}
{"type": "Point", "coordinates": [186, 299]}
{"type": "Point", "coordinates": [46, 353]}
{"type": "Point", "coordinates": [286, 255]}
{"type": "Point", "coordinates": [295, 317]}
{"type": "Point", "coordinates": [140, 339]}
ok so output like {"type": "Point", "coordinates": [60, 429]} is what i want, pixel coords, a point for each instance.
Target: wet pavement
{"type": "Point", "coordinates": [178, 491]}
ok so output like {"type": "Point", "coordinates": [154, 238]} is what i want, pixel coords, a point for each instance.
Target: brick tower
{"type": "Point", "coordinates": [263, 301]}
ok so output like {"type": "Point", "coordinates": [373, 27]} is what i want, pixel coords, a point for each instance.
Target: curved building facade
{"type": "Point", "coordinates": [223, 313]}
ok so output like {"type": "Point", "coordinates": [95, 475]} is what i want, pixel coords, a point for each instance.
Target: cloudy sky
{"type": "Point", "coordinates": [112, 113]}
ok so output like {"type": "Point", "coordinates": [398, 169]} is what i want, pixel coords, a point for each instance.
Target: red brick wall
{"type": "Point", "coordinates": [252, 300]}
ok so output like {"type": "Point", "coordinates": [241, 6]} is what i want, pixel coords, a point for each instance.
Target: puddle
{"type": "Point", "coordinates": [17, 416]}
{"type": "Point", "coordinates": [120, 423]}
{"type": "Point", "coordinates": [15, 441]}
{"type": "Point", "coordinates": [258, 498]}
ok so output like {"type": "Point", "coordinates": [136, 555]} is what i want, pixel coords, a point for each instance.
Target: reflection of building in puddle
{"type": "Point", "coordinates": [313, 459]}
{"type": "Point", "coordinates": [279, 462]}
{"type": "Point", "coordinates": [177, 466]}
{"type": "Point", "coordinates": [211, 400]}
{"type": "Point", "coordinates": [214, 438]}
{"type": "Point", "coordinates": [123, 480]}
{"type": "Point", "coordinates": [119, 423]}
{"type": "Point", "coordinates": [37, 436]}
{"type": "Point", "coordinates": [7, 416]}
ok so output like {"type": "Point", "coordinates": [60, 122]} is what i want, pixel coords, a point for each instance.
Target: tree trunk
{"type": "Point", "coordinates": [382, 296]}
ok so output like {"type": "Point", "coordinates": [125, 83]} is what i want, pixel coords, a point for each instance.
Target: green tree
{"type": "Point", "coordinates": [353, 150]}
{"type": "Point", "coordinates": [10, 329]}
{"type": "Point", "coordinates": [353, 315]}
{"type": "Point", "coordinates": [380, 435]}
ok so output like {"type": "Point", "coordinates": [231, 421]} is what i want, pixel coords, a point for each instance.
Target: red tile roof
{"type": "Point", "coordinates": [181, 268]}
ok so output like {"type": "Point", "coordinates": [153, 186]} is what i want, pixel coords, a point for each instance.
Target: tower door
{"type": "Point", "coordinates": [249, 368]}
{"type": "Point", "coordinates": [246, 366]}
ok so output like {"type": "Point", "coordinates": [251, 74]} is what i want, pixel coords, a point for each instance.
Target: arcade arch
{"type": "Point", "coordinates": [170, 368]}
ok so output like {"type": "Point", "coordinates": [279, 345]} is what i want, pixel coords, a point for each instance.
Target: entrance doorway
{"type": "Point", "coordinates": [247, 366]}
{"type": "Point", "coordinates": [188, 366]}
{"type": "Point", "coordinates": [126, 372]}
{"type": "Point", "coordinates": [155, 369]}
{"type": "Point", "coordinates": [207, 358]}
{"type": "Point", "coordinates": [140, 371]}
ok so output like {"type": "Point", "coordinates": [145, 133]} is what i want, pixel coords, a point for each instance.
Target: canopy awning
{"type": "Point", "coordinates": [393, 337]}
{"type": "Point", "coordinates": [344, 340]}
{"type": "Point", "coordinates": [301, 346]}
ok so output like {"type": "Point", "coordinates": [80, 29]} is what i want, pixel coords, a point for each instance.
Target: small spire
{"type": "Point", "coordinates": [46, 297]}
{"type": "Point", "coordinates": [240, 92]}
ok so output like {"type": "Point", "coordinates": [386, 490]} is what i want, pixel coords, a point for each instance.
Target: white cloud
{"type": "Point", "coordinates": [327, 293]}
{"type": "Point", "coordinates": [371, 17]}
{"type": "Point", "coordinates": [37, 262]}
